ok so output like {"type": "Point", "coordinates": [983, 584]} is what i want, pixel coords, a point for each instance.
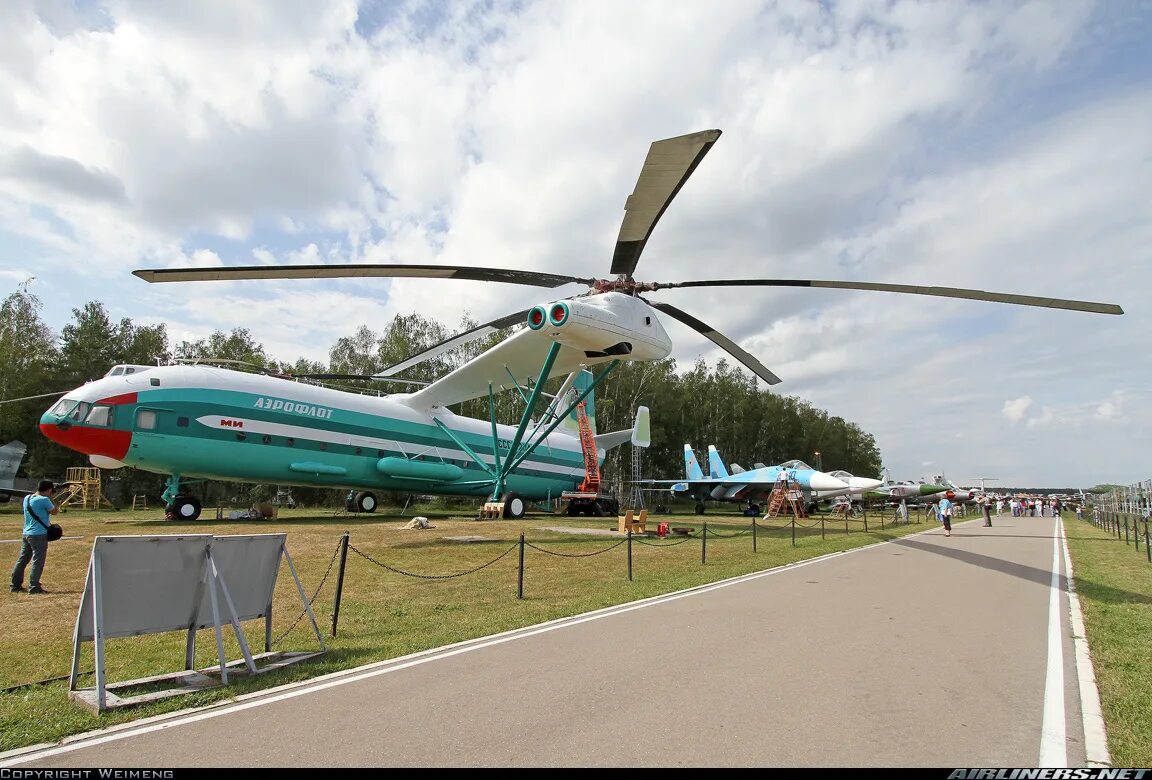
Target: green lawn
{"type": "Point", "coordinates": [1114, 581]}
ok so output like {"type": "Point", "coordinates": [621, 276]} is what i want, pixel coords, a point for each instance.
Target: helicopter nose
{"type": "Point", "coordinates": [88, 440]}
{"type": "Point", "coordinates": [55, 429]}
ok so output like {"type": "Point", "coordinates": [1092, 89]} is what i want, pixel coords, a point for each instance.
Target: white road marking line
{"type": "Point", "coordinates": [1053, 731]}
{"type": "Point", "coordinates": [1095, 736]}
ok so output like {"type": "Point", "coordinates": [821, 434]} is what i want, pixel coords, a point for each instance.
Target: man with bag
{"type": "Point", "coordinates": [34, 544]}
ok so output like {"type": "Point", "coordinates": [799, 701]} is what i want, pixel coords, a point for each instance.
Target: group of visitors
{"type": "Point", "coordinates": [1035, 507]}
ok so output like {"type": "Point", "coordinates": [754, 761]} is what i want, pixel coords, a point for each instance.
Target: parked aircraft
{"type": "Point", "coordinates": [907, 491]}
{"type": "Point", "coordinates": [209, 422]}
{"type": "Point", "coordinates": [11, 456]}
{"type": "Point", "coordinates": [205, 422]}
{"type": "Point", "coordinates": [857, 485]}
{"type": "Point", "coordinates": [746, 486]}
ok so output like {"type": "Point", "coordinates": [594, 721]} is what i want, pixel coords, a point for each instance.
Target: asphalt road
{"type": "Point", "coordinates": [847, 661]}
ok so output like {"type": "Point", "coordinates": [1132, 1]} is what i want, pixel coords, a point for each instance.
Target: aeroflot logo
{"type": "Point", "coordinates": [280, 405]}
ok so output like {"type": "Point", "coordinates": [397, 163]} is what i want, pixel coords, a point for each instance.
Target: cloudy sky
{"type": "Point", "coordinates": [998, 145]}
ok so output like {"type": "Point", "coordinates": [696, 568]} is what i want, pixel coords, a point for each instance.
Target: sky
{"type": "Point", "coordinates": [997, 145]}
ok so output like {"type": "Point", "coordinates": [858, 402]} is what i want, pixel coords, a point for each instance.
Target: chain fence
{"type": "Point", "coordinates": [1123, 512]}
{"type": "Point", "coordinates": [395, 570]}
{"type": "Point", "coordinates": [311, 601]}
{"type": "Point", "coordinates": [575, 555]}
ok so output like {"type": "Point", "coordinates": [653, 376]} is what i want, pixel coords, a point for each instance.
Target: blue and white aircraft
{"type": "Point", "coordinates": [748, 486]}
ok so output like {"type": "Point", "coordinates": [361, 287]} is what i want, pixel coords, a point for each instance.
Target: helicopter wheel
{"type": "Point", "coordinates": [700, 507]}
{"type": "Point", "coordinates": [365, 502]}
{"type": "Point", "coordinates": [513, 506]}
{"type": "Point", "coordinates": [183, 508]}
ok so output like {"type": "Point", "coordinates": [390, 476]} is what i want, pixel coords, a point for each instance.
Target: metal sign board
{"type": "Point", "coordinates": [148, 584]}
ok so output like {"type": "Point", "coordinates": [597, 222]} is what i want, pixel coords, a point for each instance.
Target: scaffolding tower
{"type": "Point", "coordinates": [636, 495]}
{"type": "Point", "coordinates": [83, 488]}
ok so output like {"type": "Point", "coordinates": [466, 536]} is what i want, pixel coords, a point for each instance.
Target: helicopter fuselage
{"type": "Point", "coordinates": [213, 423]}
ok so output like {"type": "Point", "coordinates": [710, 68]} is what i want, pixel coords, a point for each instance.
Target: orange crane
{"type": "Point", "coordinates": [587, 499]}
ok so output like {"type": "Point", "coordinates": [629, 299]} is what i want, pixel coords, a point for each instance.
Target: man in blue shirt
{"type": "Point", "coordinates": [34, 544]}
{"type": "Point", "coordinates": [945, 509]}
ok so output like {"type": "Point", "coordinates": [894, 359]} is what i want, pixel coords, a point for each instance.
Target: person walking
{"type": "Point", "coordinates": [986, 505]}
{"type": "Point", "coordinates": [945, 511]}
{"type": "Point", "coordinates": [34, 542]}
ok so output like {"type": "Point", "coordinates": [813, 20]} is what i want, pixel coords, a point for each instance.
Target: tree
{"type": "Point", "coordinates": [29, 358]}
{"type": "Point", "coordinates": [237, 345]}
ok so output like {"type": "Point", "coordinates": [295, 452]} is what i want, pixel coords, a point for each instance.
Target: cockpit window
{"type": "Point", "coordinates": [100, 415]}
{"type": "Point", "coordinates": [124, 370]}
{"type": "Point", "coordinates": [62, 408]}
{"type": "Point", "coordinates": [80, 412]}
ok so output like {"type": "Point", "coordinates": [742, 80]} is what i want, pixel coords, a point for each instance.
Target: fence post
{"type": "Point", "coordinates": [704, 543]}
{"type": "Point", "coordinates": [865, 516]}
{"type": "Point", "coordinates": [520, 574]}
{"type": "Point", "coordinates": [629, 553]}
{"type": "Point", "coordinates": [340, 580]}
{"type": "Point", "coordinates": [845, 522]}
{"type": "Point", "coordinates": [1147, 546]}
{"type": "Point", "coordinates": [753, 533]}
{"type": "Point", "coordinates": [821, 531]}
{"type": "Point", "coordinates": [793, 530]}
{"type": "Point", "coordinates": [1125, 529]}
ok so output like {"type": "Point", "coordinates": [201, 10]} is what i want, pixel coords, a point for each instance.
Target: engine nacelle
{"type": "Point", "coordinates": [604, 325]}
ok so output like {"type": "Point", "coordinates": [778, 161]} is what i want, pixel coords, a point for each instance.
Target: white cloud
{"type": "Point", "coordinates": [1046, 417]}
{"type": "Point", "coordinates": [1016, 409]}
{"type": "Point", "coordinates": [1112, 408]}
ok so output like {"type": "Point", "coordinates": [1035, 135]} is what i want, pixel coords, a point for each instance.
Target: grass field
{"type": "Point", "coordinates": [382, 614]}
{"type": "Point", "coordinates": [1114, 581]}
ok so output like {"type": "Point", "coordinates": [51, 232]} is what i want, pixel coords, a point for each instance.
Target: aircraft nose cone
{"type": "Point", "coordinates": [108, 442]}
{"type": "Point", "coordinates": [821, 481]}
{"type": "Point", "coordinates": [865, 483]}
{"type": "Point", "coordinates": [56, 431]}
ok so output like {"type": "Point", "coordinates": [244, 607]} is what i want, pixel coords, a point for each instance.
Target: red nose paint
{"type": "Point", "coordinates": [90, 441]}
{"type": "Point", "coordinates": [117, 400]}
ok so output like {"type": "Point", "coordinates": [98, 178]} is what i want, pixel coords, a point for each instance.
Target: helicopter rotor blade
{"type": "Point", "coordinates": [359, 377]}
{"type": "Point", "coordinates": [355, 271]}
{"type": "Point", "coordinates": [460, 339]}
{"type": "Point", "coordinates": [33, 397]}
{"type": "Point", "coordinates": [668, 165]}
{"type": "Point", "coordinates": [945, 292]}
{"type": "Point", "coordinates": [719, 339]}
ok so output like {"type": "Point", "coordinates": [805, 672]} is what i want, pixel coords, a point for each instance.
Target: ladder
{"type": "Point", "coordinates": [636, 495]}
{"type": "Point", "coordinates": [776, 501]}
{"type": "Point", "coordinates": [139, 501]}
{"type": "Point", "coordinates": [591, 483]}
{"type": "Point", "coordinates": [786, 494]}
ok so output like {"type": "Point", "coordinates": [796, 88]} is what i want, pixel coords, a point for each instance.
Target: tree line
{"type": "Point", "coordinates": [720, 405]}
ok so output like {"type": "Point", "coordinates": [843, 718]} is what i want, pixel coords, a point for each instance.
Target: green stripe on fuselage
{"type": "Point", "coordinates": [197, 450]}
